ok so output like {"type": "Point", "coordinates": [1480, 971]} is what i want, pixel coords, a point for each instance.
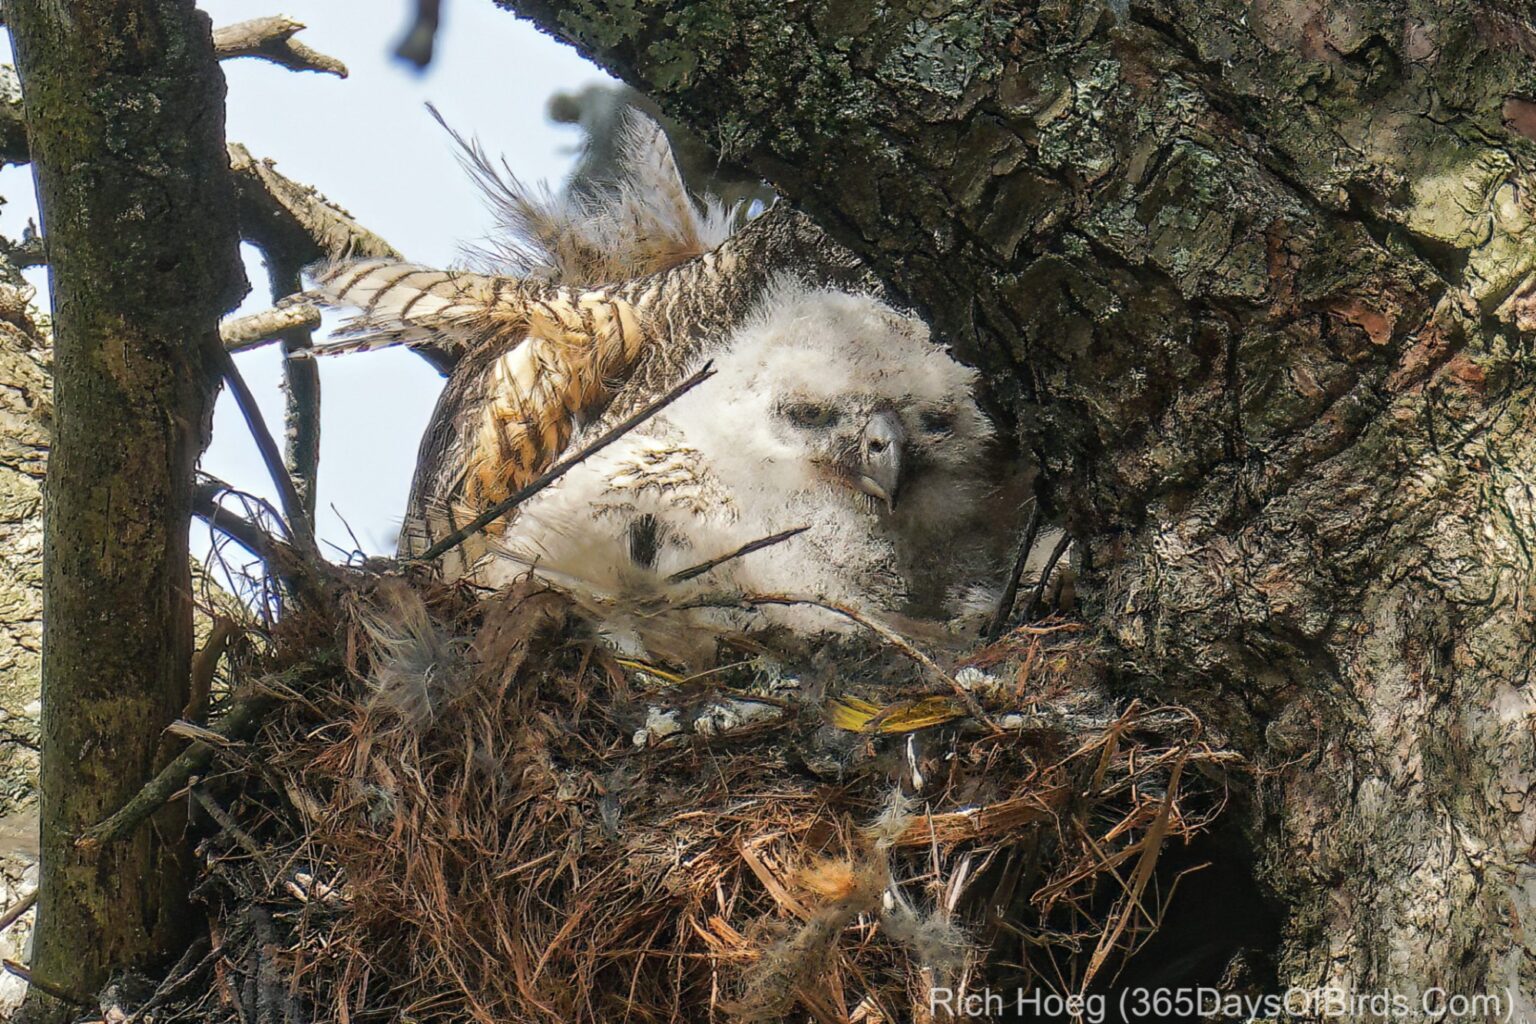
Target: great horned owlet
{"type": "Point", "coordinates": [830, 411]}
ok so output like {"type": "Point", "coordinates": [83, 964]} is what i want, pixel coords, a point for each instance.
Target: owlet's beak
{"type": "Point", "coordinates": [881, 447]}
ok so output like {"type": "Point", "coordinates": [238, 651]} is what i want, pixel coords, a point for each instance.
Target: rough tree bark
{"type": "Point", "coordinates": [1255, 281]}
{"type": "Point", "coordinates": [124, 106]}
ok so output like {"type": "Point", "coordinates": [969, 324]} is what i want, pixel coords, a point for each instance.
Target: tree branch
{"type": "Point", "coordinates": [300, 526]}
{"type": "Point", "coordinates": [272, 39]}
{"type": "Point", "coordinates": [303, 576]}
{"type": "Point", "coordinates": [295, 226]}
{"type": "Point", "coordinates": [239, 721]}
{"type": "Point", "coordinates": [247, 332]}
{"type": "Point", "coordinates": [279, 215]}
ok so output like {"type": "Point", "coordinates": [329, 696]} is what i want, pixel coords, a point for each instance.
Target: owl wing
{"type": "Point", "coordinates": [620, 522]}
{"type": "Point", "coordinates": [614, 533]}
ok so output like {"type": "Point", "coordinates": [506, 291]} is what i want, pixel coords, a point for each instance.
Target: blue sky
{"type": "Point", "coordinates": [368, 143]}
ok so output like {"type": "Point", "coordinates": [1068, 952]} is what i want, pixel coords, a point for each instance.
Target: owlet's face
{"type": "Point", "coordinates": [837, 396]}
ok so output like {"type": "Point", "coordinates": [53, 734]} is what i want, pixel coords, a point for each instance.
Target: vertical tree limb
{"type": "Point", "coordinates": [301, 390]}
{"type": "Point", "coordinates": [124, 109]}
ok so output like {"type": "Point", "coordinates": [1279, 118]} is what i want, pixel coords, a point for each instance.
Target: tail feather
{"type": "Point", "coordinates": [542, 235]}
{"type": "Point", "coordinates": [404, 304]}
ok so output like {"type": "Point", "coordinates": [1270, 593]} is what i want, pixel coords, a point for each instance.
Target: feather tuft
{"type": "Point", "coordinates": [643, 223]}
{"type": "Point", "coordinates": [414, 666]}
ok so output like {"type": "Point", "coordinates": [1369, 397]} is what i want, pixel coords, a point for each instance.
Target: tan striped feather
{"type": "Point", "coordinates": [402, 303]}
{"type": "Point", "coordinates": [562, 351]}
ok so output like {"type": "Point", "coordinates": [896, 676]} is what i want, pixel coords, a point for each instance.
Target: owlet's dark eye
{"type": "Point", "coordinates": [809, 414]}
{"type": "Point", "coordinates": [938, 422]}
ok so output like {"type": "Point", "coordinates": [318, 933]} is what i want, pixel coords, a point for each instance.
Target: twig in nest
{"type": "Point", "coordinates": [283, 560]}
{"type": "Point", "coordinates": [416, 48]}
{"type": "Point", "coordinates": [227, 824]}
{"type": "Point", "coordinates": [17, 909]}
{"type": "Point", "coordinates": [746, 549]}
{"type": "Point", "coordinates": [881, 630]}
{"type": "Point", "coordinates": [272, 39]}
{"type": "Point", "coordinates": [1011, 592]}
{"type": "Point", "coordinates": [1045, 575]}
{"type": "Point", "coordinates": [238, 722]}
{"type": "Point", "coordinates": [179, 977]}
{"type": "Point", "coordinates": [258, 329]}
{"type": "Point", "coordinates": [563, 467]}
{"type": "Point", "coordinates": [1152, 846]}
{"type": "Point", "coordinates": [47, 989]}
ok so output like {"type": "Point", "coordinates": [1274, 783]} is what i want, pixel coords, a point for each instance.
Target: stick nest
{"type": "Point", "coordinates": [468, 810]}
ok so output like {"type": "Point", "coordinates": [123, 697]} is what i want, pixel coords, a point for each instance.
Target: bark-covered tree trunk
{"type": "Point", "coordinates": [1256, 283]}
{"type": "Point", "coordinates": [26, 403]}
{"type": "Point", "coordinates": [124, 108]}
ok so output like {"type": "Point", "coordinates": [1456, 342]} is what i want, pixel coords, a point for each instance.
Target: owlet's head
{"type": "Point", "coordinates": [836, 395]}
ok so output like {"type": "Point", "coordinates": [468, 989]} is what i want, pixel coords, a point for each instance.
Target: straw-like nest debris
{"type": "Point", "coordinates": [473, 812]}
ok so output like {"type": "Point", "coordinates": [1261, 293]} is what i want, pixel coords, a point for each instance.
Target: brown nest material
{"type": "Point", "coordinates": [478, 814]}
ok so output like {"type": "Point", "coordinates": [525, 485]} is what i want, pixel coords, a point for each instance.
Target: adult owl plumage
{"type": "Point", "coordinates": [829, 411]}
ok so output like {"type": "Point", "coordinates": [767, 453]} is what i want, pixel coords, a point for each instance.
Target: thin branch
{"type": "Point", "coordinates": [746, 549]}
{"type": "Point", "coordinates": [300, 528]}
{"type": "Point", "coordinates": [255, 539]}
{"type": "Point", "coordinates": [1011, 591]}
{"type": "Point", "coordinates": [272, 39]}
{"type": "Point", "coordinates": [28, 251]}
{"type": "Point", "coordinates": [17, 909]}
{"type": "Point", "coordinates": [247, 332]}
{"type": "Point", "coordinates": [555, 472]}
{"type": "Point", "coordinates": [301, 390]}
{"type": "Point", "coordinates": [238, 722]}
{"type": "Point", "coordinates": [417, 44]}
{"type": "Point", "coordinates": [1045, 575]}
{"type": "Point", "coordinates": [179, 977]}
{"type": "Point", "coordinates": [205, 665]}
{"type": "Point", "coordinates": [285, 562]}
{"type": "Point", "coordinates": [227, 824]}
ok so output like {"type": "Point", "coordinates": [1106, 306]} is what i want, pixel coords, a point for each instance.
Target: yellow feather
{"type": "Point", "coordinates": [853, 714]}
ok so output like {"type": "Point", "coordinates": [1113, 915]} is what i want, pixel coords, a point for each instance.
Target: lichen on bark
{"type": "Point", "coordinates": [25, 417]}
